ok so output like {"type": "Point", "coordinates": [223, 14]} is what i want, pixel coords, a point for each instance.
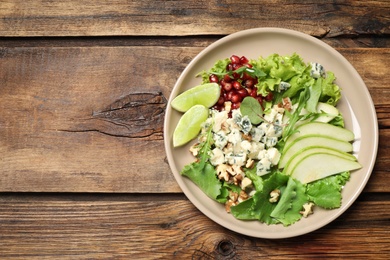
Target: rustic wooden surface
{"type": "Point", "coordinates": [83, 91]}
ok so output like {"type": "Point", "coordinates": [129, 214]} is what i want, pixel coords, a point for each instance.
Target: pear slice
{"type": "Point", "coordinates": [312, 150]}
{"type": "Point", "coordinates": [320, 128]}
{"type": "Point", "coordinates": [311, 141]}
{"type": "Point", "coordinates": [329, 110]}
{"type": "Point", "coordinates": [320, 165]}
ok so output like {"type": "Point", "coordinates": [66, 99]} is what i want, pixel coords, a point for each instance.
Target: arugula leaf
{"type": "Point", "coordinates": [295, 117]}
{"type": "Point", "coordinates": [252, 108]}
{"type": "Point", "coordinates": [326, 193]}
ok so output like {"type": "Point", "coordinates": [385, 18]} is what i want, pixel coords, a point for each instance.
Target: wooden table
{"type": "Point", "coordinates": [83, 90]}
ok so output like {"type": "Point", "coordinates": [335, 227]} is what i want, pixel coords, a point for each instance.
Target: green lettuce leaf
{"type": "Point", "coordinates": [290, 203]}
{"type": "Point", "coordinates": [326, 193]}
{"type": "Point", "coordinates": [330, 92]}
{"type": "Point", "coordinates": [219, 68]}
{"type": "Point", "coordinates": [202, 173]}
{"type": "Point", "coordinates": [258, 207]}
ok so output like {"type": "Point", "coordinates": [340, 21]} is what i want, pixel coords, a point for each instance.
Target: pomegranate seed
{"type": "Point", "coordinates": [229, 95]}
{"type": "Point", "coordinates": [269, 97]}
{"type": "Point", "coordinates": [227, 78]}
{"type": "Point", "coordinates": [248, 65]}
{"type": "Point", "coordinates": [235, 59]}
{"type": "Point", "coordinates": [260, 99]}
{"type": "Point", "coordinates": [245, 76]}
{"type": "Point", "coordinates": [236, 66]}
{"type": "Point", "coordinates": [236, 105]}
{"type": "Point", "coordinates": [243, 60]}
{"type": "Point", "coordinates": [228, 86]}
{"type": "Point", "coordinates": [221, 101]}
{"type": "Point", "coordinates": [253, 93]}
{"type": "Point", "coordinates": [249, 83]}
{"type": "Point", "coordinates": [237, 85]}
{"type": "Point", "coordinates": [236, 75]}
{"type": "Point", "coordinates": [229, 67]}
{"type": "Point", "coordinates": [213, 78]}
{"type": "Point", "coordinates": [243, 92]}
{"type": "Point", "coordinates": [236, 98]}
{"type": "Point", "coordinates": [222, 82]}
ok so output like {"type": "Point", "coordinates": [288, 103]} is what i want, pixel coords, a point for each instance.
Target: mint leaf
{"type": "Point", "coordinates": [251, 107]}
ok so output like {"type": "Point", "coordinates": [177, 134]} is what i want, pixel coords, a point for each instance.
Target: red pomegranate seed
{"type": "Point", "coordinates": [269, 97]}
{"type": "Point", "coordinates": [222, 82]}
{"type": "Point", "coordinates": [227, 78]}
{"type": "Point", "coordinates": [236, 75]}
{"type": "Point", "coordinates": [237, 85]}
{"type": "Point", "coordinates": [236, 66]}
{"type": "Point", "coordinates": [221, 101]}
{"type": "Point", "coordinates": [235, 59]}
{"type": "Point", "coordinates": [243, 60]}
{"type": "Point", "coordinates": [245, 76]}
{"type": "Point", "coordinates": [253, 93]}
{"type": "Point", "coordinates": [228, 86]}
{"type": "Point", "coordinates": [229, 67]}
{"type": "Point", "coordinates": [249, 83]}
{"type": "Point", "coordinates": [236, 105]}
{"type": "Point", "coordinates": [260, 99]}
{"type": "Point", "coordinates": [236, 98]}
{"type": "Point", "coordinates": [213, 78]}
{"type": "Point", "coordinates": [229, 95]}
{"type": "Point", "coordinates": [243, 92]}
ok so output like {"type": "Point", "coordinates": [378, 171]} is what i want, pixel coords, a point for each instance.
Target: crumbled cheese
{"type": "Point", "coordinates": [217, 157]}
{"type": "Point", "coordinates": [317, 70]}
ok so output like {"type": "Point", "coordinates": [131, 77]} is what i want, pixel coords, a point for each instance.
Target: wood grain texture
{"type": "Point", "coordinates": [120, 18]}
{"type": "Point", "coordinates": [152, 227]}
{"type": "Point", "coordinates": [90, 119]}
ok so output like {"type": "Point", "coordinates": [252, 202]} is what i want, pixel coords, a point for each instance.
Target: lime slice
{"type": "Point", "coordinates": [206, 95]}
{"type": "Point", "coordinates": [189, 125]}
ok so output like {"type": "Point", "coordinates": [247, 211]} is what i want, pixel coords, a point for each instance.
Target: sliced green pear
{"type": "Point", "coordinates": [329, 110]}
{"type": "Point", "coordinates": [311, 141]}
{"type": "Point", "coordinates": [313, 150]}
{"type": "Point", "coordinates": [320, 165]}
{"type": "Point", "coordinates": [320, 128]}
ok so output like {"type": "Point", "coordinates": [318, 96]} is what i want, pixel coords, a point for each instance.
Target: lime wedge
{"type": "Point", "coordinates": [206, 95]}
{"type": "Point", "coordinates": [189, 125]}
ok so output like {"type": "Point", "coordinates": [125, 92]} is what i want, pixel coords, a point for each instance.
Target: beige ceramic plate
{"type": "Point", "coordinates": [356, 106]}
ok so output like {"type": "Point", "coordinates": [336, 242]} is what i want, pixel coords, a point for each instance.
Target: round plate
{"type": "Point", "coordinates": [356, 106]}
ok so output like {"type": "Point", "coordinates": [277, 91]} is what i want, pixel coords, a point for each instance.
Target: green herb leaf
{"type": "Point", "coordinates": [251, 107]}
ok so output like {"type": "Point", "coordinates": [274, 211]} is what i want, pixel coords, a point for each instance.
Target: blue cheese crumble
{"type": "Point", "coordinates": [237, 143]}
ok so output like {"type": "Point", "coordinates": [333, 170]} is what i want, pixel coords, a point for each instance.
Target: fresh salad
{"type": "Point", "coordinates": [270, 142]}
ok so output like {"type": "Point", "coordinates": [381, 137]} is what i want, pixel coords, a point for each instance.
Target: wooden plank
{"type": "Point", "coordinates": [151, 227]}
{"type": "Point", "coordinates": [119, 17]}
{"type": "Point", "coordinates": [71, 118]}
